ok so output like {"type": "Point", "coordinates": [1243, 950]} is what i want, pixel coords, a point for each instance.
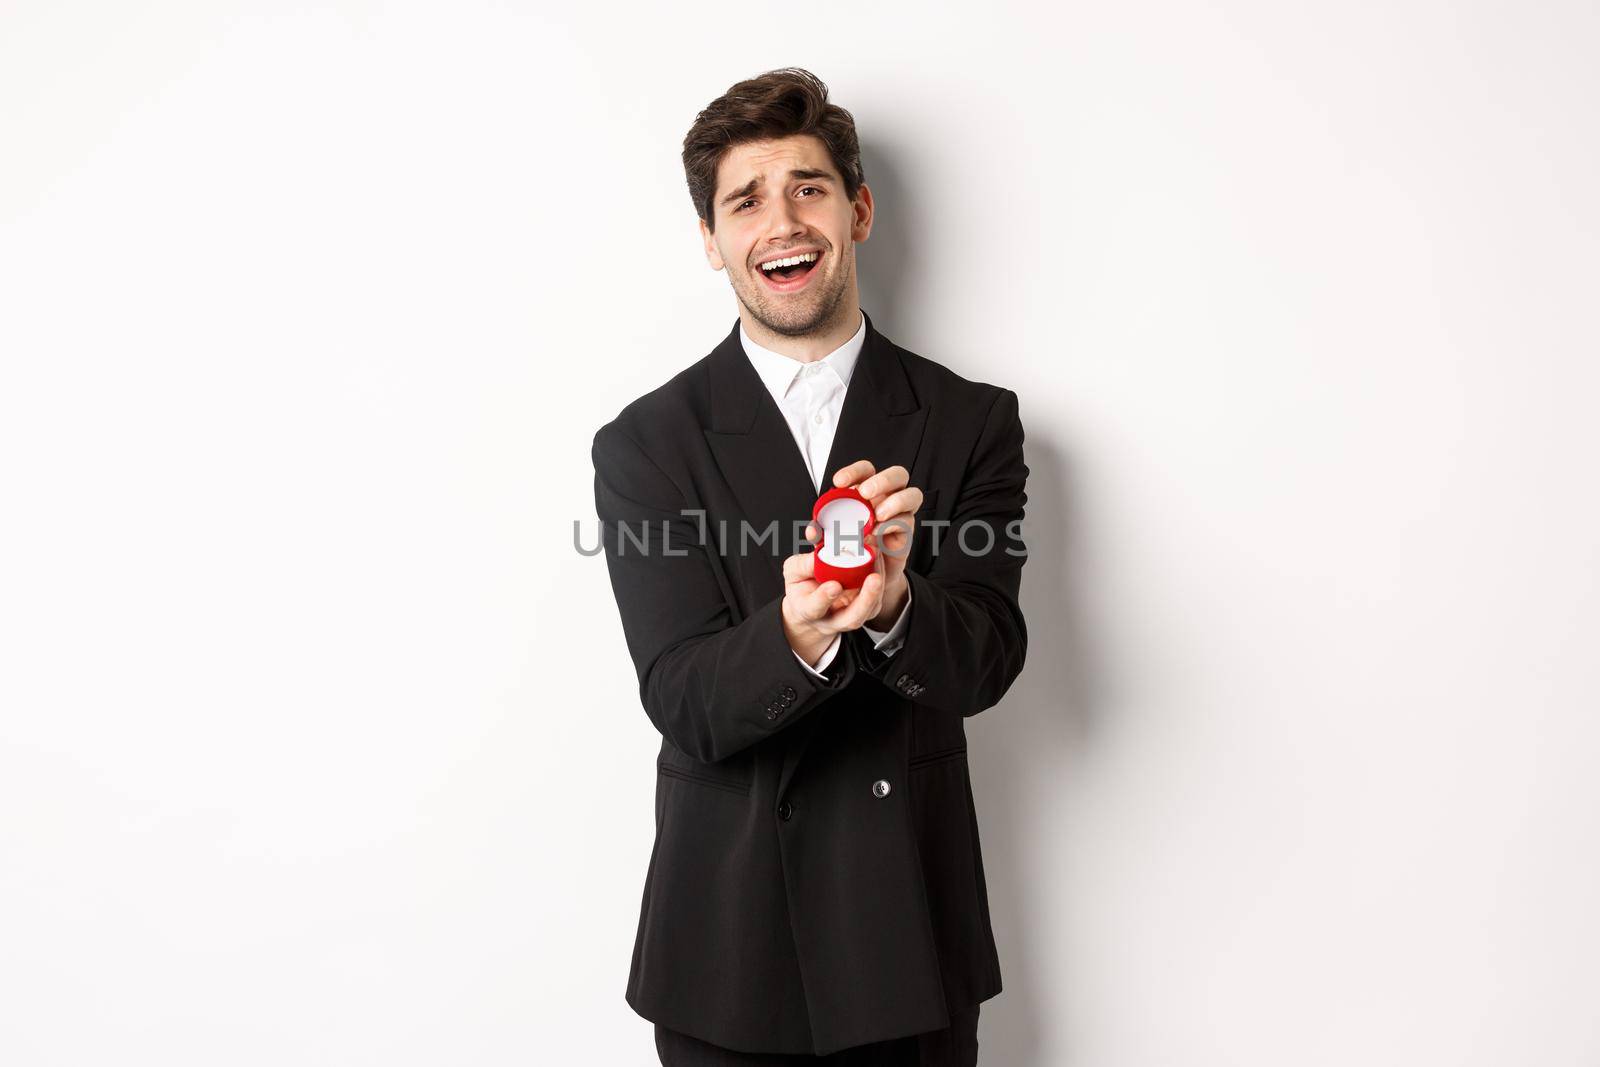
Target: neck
{"type": "Point", "coordinates": [810, 347]}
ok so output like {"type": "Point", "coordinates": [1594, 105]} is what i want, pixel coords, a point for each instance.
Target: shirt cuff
{"type": "Point", "coordinates": [822, 664]}
{"type": "Point", "coordinates": [889, 643]}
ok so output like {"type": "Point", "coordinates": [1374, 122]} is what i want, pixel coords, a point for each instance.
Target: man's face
{"type": "Point", "coordinates": [782, 198]}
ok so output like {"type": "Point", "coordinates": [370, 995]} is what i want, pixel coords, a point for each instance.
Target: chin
{"type": "Point", "coordinates": [795, 323]}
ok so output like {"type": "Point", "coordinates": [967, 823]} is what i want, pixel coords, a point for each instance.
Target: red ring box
{"type": "Point", "coordinates": [849, 556]}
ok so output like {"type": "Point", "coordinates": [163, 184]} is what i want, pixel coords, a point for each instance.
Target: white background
{"type": "Point", "coordinates": [320, 743]}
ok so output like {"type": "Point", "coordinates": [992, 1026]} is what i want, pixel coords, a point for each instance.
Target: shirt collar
{"type": "Point", "coordinates": [778, 371]}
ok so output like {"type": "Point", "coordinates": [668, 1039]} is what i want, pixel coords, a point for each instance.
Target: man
{"type": "Point", "coordinates": [816, 890]}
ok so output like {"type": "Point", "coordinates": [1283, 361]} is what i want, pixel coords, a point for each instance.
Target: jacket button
{"type": "Point", "coordinates": [880, 788]}
{"type": "Point", "coordinates": [785, 809]}
{"type": "Point", "coordinates": [789, 693]}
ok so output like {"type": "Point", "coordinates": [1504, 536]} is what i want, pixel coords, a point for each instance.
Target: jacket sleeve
{"type": "Point", "coordinates": [712, 686]}
{"type": "Point", "coordinates": [966, 640]}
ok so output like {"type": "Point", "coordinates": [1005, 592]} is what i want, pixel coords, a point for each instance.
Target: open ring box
{"type": "Point", "coordinates": [844, 552]}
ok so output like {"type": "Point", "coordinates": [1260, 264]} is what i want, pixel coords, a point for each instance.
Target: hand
{"type": "Point", "coordinates": [893, 502]}
{"type": "Point", "coordinates": [814, 612]}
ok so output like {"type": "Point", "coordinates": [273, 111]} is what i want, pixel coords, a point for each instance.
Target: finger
{"type": "Point", "coordinates": [817, 603]}
{"type": "Point", "coordinates": [895, 534]}
{"type": "Point", "coordinates": [846, 597]}
{"type": "Point", "coordinates": [861, 606]}
{"type": "Point", "coordinates": [854, 472]}
{"type": "Point", "coordinates": [799, 567]}
{"type": "Point", "coordinates": [894, 554]}
{"type": "Point", "coordinates": [885, 481]}
{"type": "Point", "coordinates": [906, 501]}
{"type": "Point", "coordinates": [812, 533]}
{"type": "Point", "coordinates": [801, 588]}
{"type": "Point", "coordinates": [901, 525]}
{"type": "Point", "coordinates": [866, 604]}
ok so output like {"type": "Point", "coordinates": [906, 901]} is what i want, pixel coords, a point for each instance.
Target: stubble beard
{"type": "Point", "coordinates": [815, 315]}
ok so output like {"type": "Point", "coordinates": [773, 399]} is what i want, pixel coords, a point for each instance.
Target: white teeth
{"type": "Point", "coordinates": [804, 257]}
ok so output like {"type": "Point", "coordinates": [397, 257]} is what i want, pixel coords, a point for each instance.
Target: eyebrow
{"type": "Point", "coordinates": [798, 174]}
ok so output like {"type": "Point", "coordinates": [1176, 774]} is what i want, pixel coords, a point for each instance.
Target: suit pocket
{"type": "Point", "coordinates": [699, 777]}
{"type": "Point", "coordinates": [943, 755]}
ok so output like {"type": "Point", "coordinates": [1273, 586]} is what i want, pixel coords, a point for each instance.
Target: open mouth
{"type": "Point", "coordinates": [788, 273]}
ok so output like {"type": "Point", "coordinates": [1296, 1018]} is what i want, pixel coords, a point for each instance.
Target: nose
{"type": "Point", "coordinates": [782, 222]}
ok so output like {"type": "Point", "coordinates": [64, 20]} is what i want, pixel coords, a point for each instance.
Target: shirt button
{"type": "Point", "coordinates": [785, 810]}
{"type": "Point", "coordinates": [880, 788]}
{"type": "Point", "coordinates": [817, 419]}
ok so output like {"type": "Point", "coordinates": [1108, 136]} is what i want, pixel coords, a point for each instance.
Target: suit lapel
{"type": "Point", "coordinates": [881, 420]}
{"type": "Point", "coordinates": [756, 453]}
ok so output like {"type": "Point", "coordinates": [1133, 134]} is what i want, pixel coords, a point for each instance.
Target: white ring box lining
{"type": "Point", "coordinates": [841, 522]}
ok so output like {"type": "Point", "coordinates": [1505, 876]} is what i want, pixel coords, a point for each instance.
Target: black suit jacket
{"type": "Point", "coordinates": [792, 903]}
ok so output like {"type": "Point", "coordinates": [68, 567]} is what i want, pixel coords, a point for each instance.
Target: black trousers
{"type": "Point", "coordinates": [954, 1046]}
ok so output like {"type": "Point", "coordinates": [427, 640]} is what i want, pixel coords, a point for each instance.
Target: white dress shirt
{"type": "Point", "coordinates": [811, 396]}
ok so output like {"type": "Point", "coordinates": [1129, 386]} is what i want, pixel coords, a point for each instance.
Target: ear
{"type": "Point", "coordinates": [861, 224]}
{"type": "Point", "coordinates": [713, 256]}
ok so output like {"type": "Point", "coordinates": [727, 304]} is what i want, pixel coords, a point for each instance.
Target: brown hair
{"type": "Point", "coordinates": [779, 103]}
